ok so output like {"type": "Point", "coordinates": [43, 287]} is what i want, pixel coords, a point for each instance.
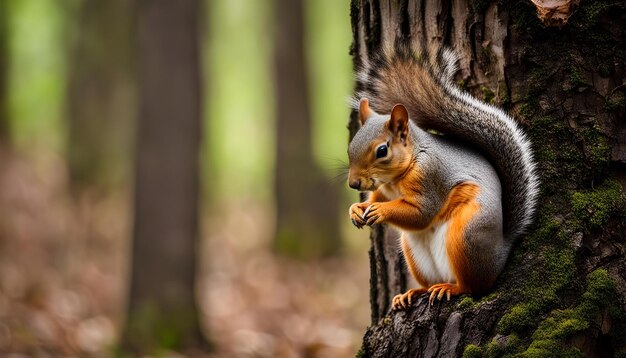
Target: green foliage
{"type": "Point", "coordinates": [37, 76]}
{"type": "Point", "coordinates": [239, 149]}
{"type": "Point", "coordinates": [328, 35]}
{"type": "Point", "coordinates": [239, 126]}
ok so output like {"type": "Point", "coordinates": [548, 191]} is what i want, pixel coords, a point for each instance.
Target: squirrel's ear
{"type": "Point", "coordinates": [364, 110]}
{"type": "Point", "coordinates": [399, 122]}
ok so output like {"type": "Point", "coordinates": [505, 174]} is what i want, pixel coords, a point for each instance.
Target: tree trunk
{"type": "Point", "coordinates": [306, 204]}
{"type": "Point", "coordinates": [100, 93]}
{"type": "Point", "coordinates": [162, 308]}
{"type": "Point", "coordinates": [563, 290]}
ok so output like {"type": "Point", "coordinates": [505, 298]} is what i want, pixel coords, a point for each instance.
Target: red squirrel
{"type": "Point", "coordinates": [454, 175]}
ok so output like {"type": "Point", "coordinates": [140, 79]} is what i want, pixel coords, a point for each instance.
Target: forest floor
{"type": "Point", "coordinates": [64, 273]}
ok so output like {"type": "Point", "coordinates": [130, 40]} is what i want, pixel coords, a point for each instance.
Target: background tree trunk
{"type": "Point", "coordinates": [162, 308]}
{"type": "Point", "coordinates": [563, 291]}
{"type": "Point", "coordinates": [100, 92]}
{"type": "Point", "coordinates": [307, 221]}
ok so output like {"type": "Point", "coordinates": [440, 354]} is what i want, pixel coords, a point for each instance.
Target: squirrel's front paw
{"type": "Point", "coordinates": [356, 215]}
{"type": "Point", "coordinates": [374, 214]}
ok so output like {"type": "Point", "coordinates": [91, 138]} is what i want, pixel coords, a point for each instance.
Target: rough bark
{"type": "Point", "coordinates": [162, 307]}
{"type": "Point", "coordinates": [100, 91]}
{"type": "Point", "coordinates": [307, 221]}
{"type": "Point", "coordinates": [563, 290]}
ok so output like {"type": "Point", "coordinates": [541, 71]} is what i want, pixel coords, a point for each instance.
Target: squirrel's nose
{"type": "Point", "coordinates": [355, 184]}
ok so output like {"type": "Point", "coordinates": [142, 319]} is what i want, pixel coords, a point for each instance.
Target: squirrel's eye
{"type": "Point", "coordinates": [381, 151]}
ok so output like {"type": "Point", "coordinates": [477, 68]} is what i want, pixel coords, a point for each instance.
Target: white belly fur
{"type": "Point", "coordinates": [428, 248]}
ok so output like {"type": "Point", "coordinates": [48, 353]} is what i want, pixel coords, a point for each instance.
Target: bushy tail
{"type": "Point", "coordinates": [421, 79]}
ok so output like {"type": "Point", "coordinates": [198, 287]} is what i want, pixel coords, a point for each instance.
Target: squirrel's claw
{"type": "Point", "coordinates": [374, 214]}
{"type": "Point", "coordinates": [367, 211]}
{"type": "Point", "coordinates": [438, 291]}
{"type": "Point", "coordinates": [356, 213]}
{"type": "Point", "coordinates": [404, 300]}
{"type": "Point", "coordinates": [373, 221]}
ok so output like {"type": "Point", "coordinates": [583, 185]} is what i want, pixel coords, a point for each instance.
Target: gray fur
{"type": "Point", "coordinates": [444, 164]}
{"type": "Point", "coordinates": [462, 117]}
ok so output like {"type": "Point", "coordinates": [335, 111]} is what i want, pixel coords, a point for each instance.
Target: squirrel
{"type": "Point", "coordinates": [454, 175]}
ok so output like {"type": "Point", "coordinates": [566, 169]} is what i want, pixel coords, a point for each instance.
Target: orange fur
{"type": "Point", "coordinates": [376, 196]}
{"type": "Point", "coordinates": [458, 209]}
{"type": "Point", "coordinates": [404, 212]}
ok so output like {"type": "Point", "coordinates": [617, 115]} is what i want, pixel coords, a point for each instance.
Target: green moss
{"type": "Point", "coordinates": [527, 110]}
{"type": "Point", "coordinates": [600, 293]}
{"type": "Point", "coordinates": [576, 76]}
{"type": "Point", "coordinates": [472, 351]}
{"type": "Point", "coordinates": [520, 317]}
{"type": "Point", "coordinates": [466, 302]}
{"type": "Point", "coordinates": [590, 12]}
{"type": "Point", "coordinates": [600, 153]}
{"type": "Point", "coordinates": [503, 94]}
{"type": "Point", "coordinates": [561, 159]}
{"type": "Point", "coordinates": [360, 353]}
{"type": "Point", "coordinates": [553, 271]}
{"type": "Point", "coordinates": [503, 346]}
{"type": "Point", "coordinates": [463, 85]}
{"type": "Point", "coordinates": [538, 80]}
{"type": "Point", "coordinates": [524, 17]}
{"type": "Point", "coordinates": [550, 337]}
{"type": "Point", "coordinates": [550, 349]}
{"type": "Point", "coordinates": [488, 95]}
{"type": "Point", "coordinates": [597, 149]}
{"type": "Point", "coordinates": [560, 325]}
{"type": "Point", "coordinates": [595, 207]}
{"type": "Point", "coordinates": [615, 101]}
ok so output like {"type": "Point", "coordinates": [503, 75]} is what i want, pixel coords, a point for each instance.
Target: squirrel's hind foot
{"type": "Point", "coordinates": [439, 290]}
{"type": "Point", "coordinates": [404, 300]}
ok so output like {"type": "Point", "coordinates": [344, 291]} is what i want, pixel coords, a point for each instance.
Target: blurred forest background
{"type": "Point", "coordinates": [150, 147]}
